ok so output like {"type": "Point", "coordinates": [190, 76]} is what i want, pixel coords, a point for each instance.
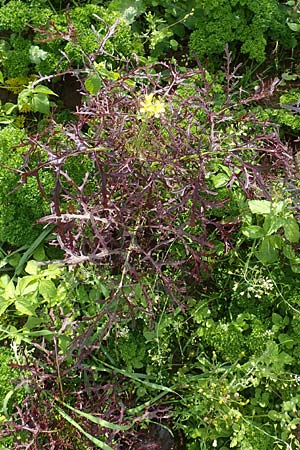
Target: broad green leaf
{"type": "Point", "coordinates": [291, 230]}
{"type": "Point", "coordinates": [4, 281]}
{"type": "Point", "coordinates": [93, 84]}
{"type": "Point", "coordinates": [128, 9]}
{"type": "Point", "coordinates": [294, 26]}
{"type": "Point", "coordinates": [104, 289]}
{"type": "Point", "coordinates": [260, 206]}
{"type": "Point", "coordinates": [1, 78]}
{"type": "Point", "coordinates": [288, 252]}
{"type": "Point", "coordinates": [39, 89]}
{"type": "Point", "coordinates": [39, 254]}
{"type": "Point", "coordinates": [47, 289]}
{"type": "Point", "coordinates": [277, 319]}
{"type": "Point", "coordinates": [27, 285]}
{"type": "Point", "coordinates": [40, 103]}
{"type": "Point", "coordinates": [33, 322]}
{"type": "Point", "coordinates": [4, 304]}
{"type": "Point", "coordinates": [10, 290]}
{"type": "Point", "coordinates": [272, 224]}
{"type": "Point", "coordinates": [97, 442]}
{"type": "Point", "coordinates": [268, 249]}
{"type": "Point", "coordinates": [53, 271]}
{"type": "Point", "coordinates": [219, 180]}
{"type": "Point", "coordinates": [24, 100]}
{"type": "Point", "coordinates": [31, 268]}
{"type": "Point", "coordinates": [25, 306]}
{"type": "Point", "coordinates": [253, 232]}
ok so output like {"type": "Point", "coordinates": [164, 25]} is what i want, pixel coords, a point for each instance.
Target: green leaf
{"type": "Point", "coordinates": [272, 224]}
{"type": "Point", "coordinates": [291, 230]}
{"type": "Point", "coordinates": [27, 285]}
{"type": "Point", "coordinates": [274, 415]}
{"type": "Point", "coordinates": [9, 108]}
{"type": "Point", "coordinates": [253, 232]}
{"type": "Point", "coordinates": [25, 306]}
{"type": "Point", "coordinates": [40, 103]}
{"type": "Point", "coordinates": [295, 268]}
{"type": "Point", "coordinates": [260, 206]}
{"type": "Point", "coordinates": [289, 252]}
{"type": "Point", "coordinates": [10, 290]}
{"type": "Point", "coordinates": [39, 254]}
{"type": "Point", "coordinates": [93, 84]}
{"type": "Point", "coordinates": [294, 26]}
{"type": "Point", "coordinates": [219, 180]}
{"type": "Point", "coordinates": [267, 252]}
{"type": "Point", "coordinates": [4, 281]}
{"type": "Point", "coordinates": [33, 322]}
{"type": "Point", "coordinates": [47, 289]}
{"type": "Point", "coordinates": [39, 89]}
{"type": "Point", "coordinates": [1, 78]}
{"type": "Point", "coordinates": [4, 304]}
{"type": "Point", "coordinates": [31, 268]}
{"type": "Point", "coordinates": [97, 442]}
{"type": "Point", "coordinates": [276, 319]}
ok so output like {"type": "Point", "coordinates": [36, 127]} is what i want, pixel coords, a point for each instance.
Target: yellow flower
{"type": "Point", "coordinates": [151, 107]}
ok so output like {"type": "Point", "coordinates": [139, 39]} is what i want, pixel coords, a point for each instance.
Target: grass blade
{"type": "Point", "coordinates": [95, 441]}
{"type": "Point", "coordinates": [98, 420]}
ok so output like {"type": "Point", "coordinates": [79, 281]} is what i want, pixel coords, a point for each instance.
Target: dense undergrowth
{"type": "Point", "coordinates": [149, 291]}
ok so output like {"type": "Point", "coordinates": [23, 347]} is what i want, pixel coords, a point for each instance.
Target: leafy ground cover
{"type": "Point", "coordinates": [149, 291]}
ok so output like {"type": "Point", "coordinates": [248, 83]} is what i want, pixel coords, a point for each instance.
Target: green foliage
{"type": "Point", "coordinates": [9, 378]}
{"type": "Point", "coordinates": [22, 54]}
{"type": "Point", "coordinates": [35, 98]}
{"type": "Point", "coordinates": [249, 25]}
{"type": "Point", "coordinates": [278, 231]}
{"type": "Point", "coordinates": [20, 205]}
{"type": "Point", "coordinates": [209, 25]}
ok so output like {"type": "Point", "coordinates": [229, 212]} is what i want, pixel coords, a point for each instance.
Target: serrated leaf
{"type": "Point", "coordinates": [93, 84]}
{"type": "Point", "coordinates": [260, 206]}
{"type": "Point", "coordinates": [291, 230]}
{"type": "Point", "coordinates": [253, 232]}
